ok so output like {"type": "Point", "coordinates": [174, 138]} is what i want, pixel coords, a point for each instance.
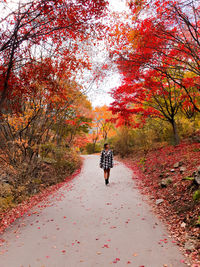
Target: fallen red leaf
{"type": "Point", "coordinates": [116, 260]}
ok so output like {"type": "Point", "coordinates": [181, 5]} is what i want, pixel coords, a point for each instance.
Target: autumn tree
{"type": "Point", "coordinates": [157, 56]}
{"type": "Point", "coordinates": [53, 28]}
{"type": "Point", "coordinates": [153, 95]}
{"type": "Point", "coordinates": [42, 52]}
{"type": "Point", "coordinates": [103, 116]}
{"type": "Point", "coordinates": [79, 122]}
{"type": "Point", "coordinates": [45, 117]}
{"type": "Point", "coordinates": [95, 133]}
{"type": "Point", "coordinates": [165, 39]}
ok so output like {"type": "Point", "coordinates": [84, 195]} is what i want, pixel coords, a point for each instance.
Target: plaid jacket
{"type": "Point", "coordinates": [106, 159]}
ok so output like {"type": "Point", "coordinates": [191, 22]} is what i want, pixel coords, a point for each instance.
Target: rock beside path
{"type": "Point", "coordinates": [159, 201]}
{"type": "Point", "coordinates": [166, 182]}
{"type": "Point", "coordinates": [197, 175]}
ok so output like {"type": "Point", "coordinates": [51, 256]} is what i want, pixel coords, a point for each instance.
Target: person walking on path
{"type": "Point", "coordinates": [106, 162]}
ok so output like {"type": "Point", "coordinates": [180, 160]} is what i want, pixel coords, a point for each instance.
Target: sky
{"type": "Point", "coordinates": [118, 5]}
{"type": "Point", "coordinates": [99, 93]}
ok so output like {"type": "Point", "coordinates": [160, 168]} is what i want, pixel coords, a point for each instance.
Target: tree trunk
{"type": "Point", "coordinates": [105, 136]}
{"type": "Point", "coordinates": [10, 66]}
{"type": "Point", "coordinates": [94, 146]}
{"type": "Point", "coordinates": [175, 132]}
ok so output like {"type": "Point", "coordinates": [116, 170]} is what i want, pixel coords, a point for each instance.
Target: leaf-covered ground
{"type": "Point", "coordinates": [179, 211]}
{"type": "Point", "coordinates": [9, 216]}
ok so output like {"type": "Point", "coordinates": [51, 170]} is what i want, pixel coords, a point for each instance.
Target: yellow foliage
{"type": "Point", "coordinates": [6, 203]}
{"type": "Point", "coordinates": [19, 120]}
{"type": "Point", "coordinates": [5, 190]}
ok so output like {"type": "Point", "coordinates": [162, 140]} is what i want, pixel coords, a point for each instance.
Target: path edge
{"type": "Point", "coordinates": [17, 212]}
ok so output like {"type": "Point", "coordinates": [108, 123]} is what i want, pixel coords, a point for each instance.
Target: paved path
{"type": "Point", "coordinates": [89, 224]}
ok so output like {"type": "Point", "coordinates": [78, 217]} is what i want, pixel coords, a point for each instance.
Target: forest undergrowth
{"type": "Point", "coordinates": [15, 200]}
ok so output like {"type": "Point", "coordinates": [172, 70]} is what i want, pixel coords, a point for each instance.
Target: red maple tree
{"type": "Point", "coordinates": [47, 28]}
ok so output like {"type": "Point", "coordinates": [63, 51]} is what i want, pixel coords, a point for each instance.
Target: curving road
{"type": "Point", "coordinates": [88, 224]}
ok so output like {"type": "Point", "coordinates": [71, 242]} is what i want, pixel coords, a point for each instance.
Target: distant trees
{"type": "Point", "coordinates": [104, 116]}
{"type": "Point", "coordinates": [102, 127]}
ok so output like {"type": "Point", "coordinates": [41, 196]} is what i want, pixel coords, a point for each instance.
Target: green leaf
{"type": "Point", "coordinates": [188, 178]}
{"type": "Point", "coordinates": [196, 195]}
{"type": "Point", "coordinates": [198, 221]}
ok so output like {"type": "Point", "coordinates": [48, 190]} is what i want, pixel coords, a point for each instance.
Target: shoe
{"type": "Point", "coordinates": [106, 181]}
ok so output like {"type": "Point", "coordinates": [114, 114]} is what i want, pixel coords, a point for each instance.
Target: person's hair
{"type": "Point", "coordinates": [105, 145]}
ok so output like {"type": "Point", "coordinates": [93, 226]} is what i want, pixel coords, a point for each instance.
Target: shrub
{"type": "Point", "coordinates": [69, 162]}
{"type": "Point", "coordinates": [90, 148]}
{"type": "Point", "coordinates": [6, 197]}
{"type": "Point", "coordinates": [6, 202]}
{"type": "Point", "coordinates": [123, 142]}
{"type": "Point", "coordinates": [28, 180]}
{"type": "Point", "coordinates": [5, 190]}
